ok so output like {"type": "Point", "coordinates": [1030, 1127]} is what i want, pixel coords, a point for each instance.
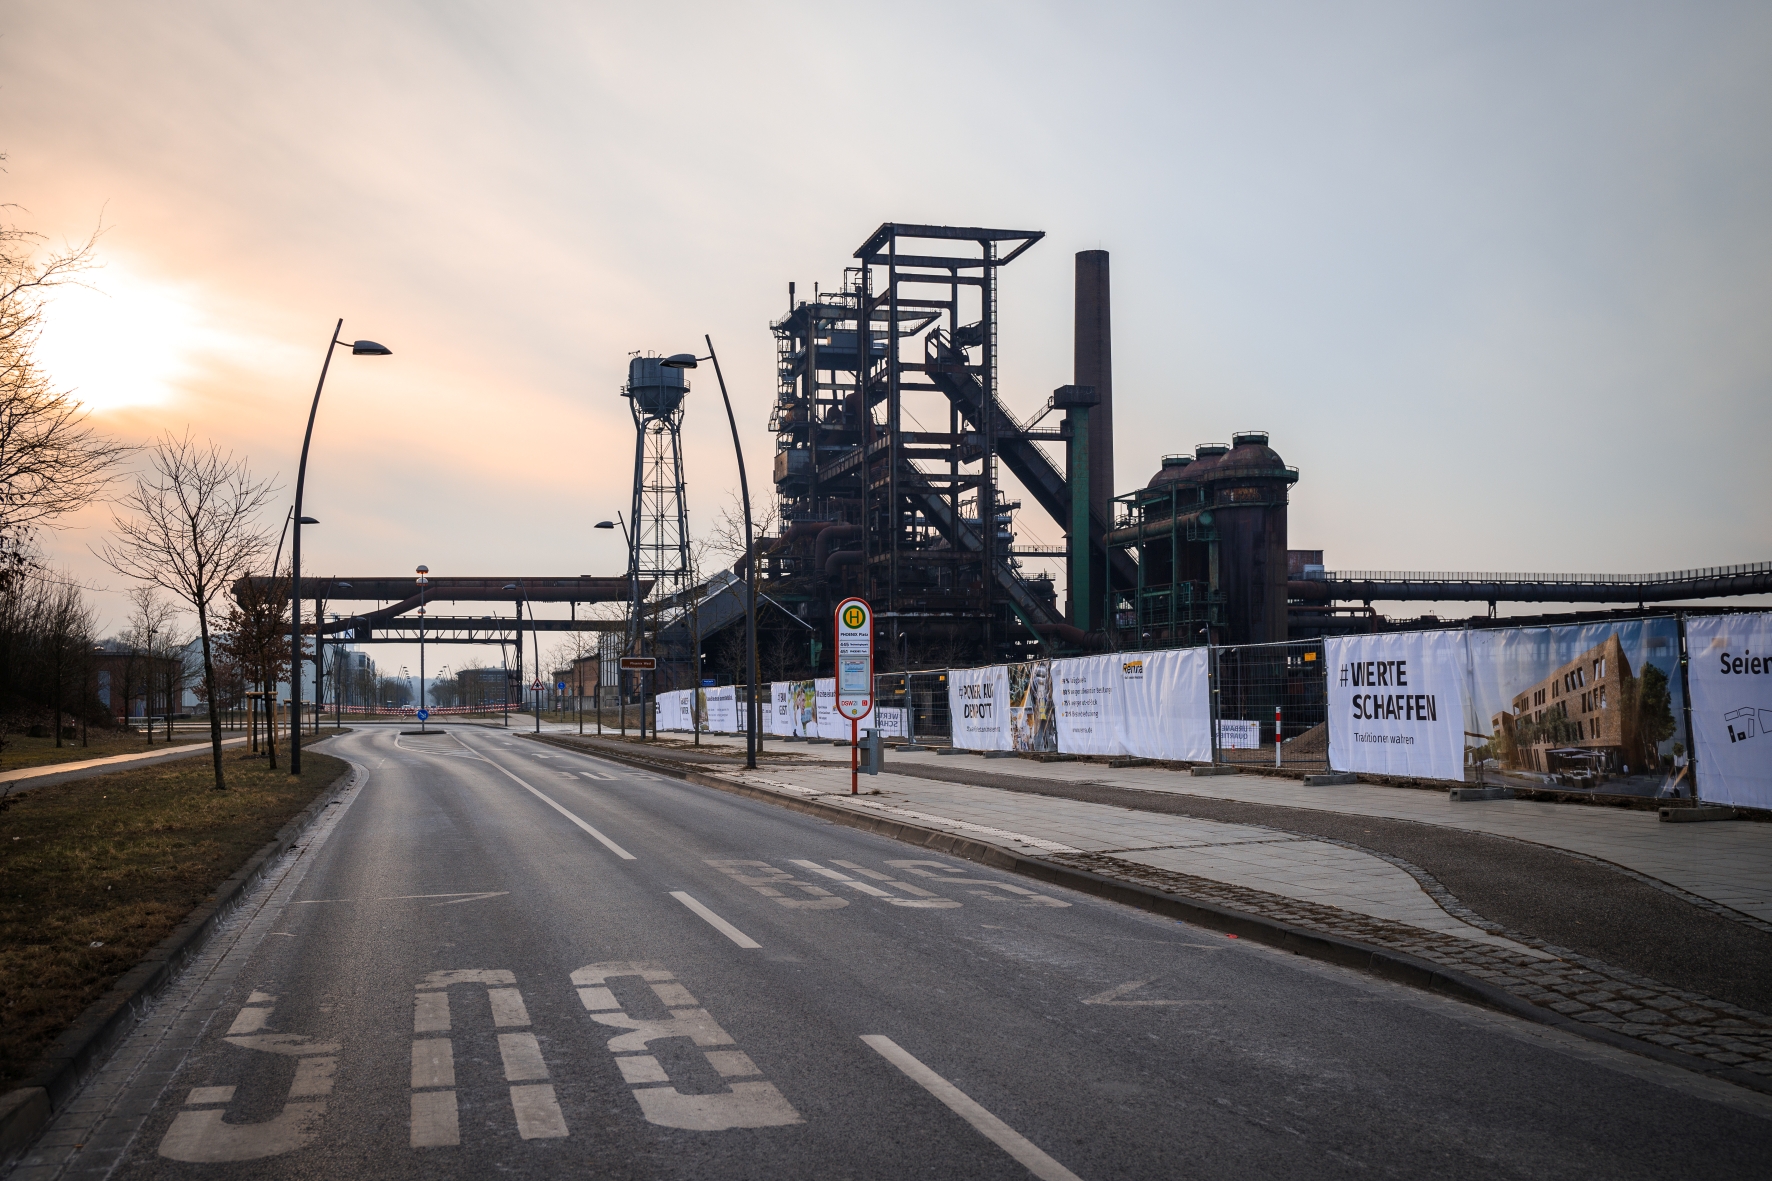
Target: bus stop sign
{"type": "Point", "coordinates": [855, 659]}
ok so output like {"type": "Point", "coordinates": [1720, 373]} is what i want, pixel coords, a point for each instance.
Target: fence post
{"type": "Point", "coordinates": [1686, 703]}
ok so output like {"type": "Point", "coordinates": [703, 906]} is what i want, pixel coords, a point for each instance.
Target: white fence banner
{"type": "Point", "coordinates": [1730, 665]}
{"type": "Point", "coordinates": [889, 720]}
{"type": "Point", "coordinates": [1086, 698]}
{"type": "Point", "coordinates": [779, 718]}
{"type": "Point", "coordinates": [1165, 708]}
{"type": "Point", "coordinates": [722, 707]}
{"type": "Point", "coordinates": [1235, 735]}
{"type": "Point", "coordinates": [978, 706]}
{"type": "Point", "coordinates": [668, 711]}
{"type": "Point", "coordinates": [831, 724]}
{"type": "Point", "coordinates": [804, 709]}
{"type": "Point", "coordinates": [1397, 704]}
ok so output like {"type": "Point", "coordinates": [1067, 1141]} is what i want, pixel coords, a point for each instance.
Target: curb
{"type": "Point", "coordinates": [25, 1110]}
{"type": "Point", "coordinates": [1398, 967]}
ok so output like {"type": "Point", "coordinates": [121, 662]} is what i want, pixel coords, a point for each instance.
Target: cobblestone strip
{"type": "Point", "coordinates": [1577, 986]}
{"type": "Point", "coordinates": [89, 1136]}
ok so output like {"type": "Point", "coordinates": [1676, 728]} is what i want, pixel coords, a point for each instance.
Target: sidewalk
{"type": "Point", "coordinates": [1686, 968]}
{"type": "Point", "coordinates": [26, 778]}
{"type": "Point", "coordinates": [1727, 863]}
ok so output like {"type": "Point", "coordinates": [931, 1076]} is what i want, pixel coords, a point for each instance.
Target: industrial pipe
{"type": "Point", "coordinates": [827, 539]}
{"type": "Point", "coordinates": [848, 557]}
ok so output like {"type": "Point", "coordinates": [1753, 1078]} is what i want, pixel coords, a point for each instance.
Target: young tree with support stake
{"type": "Point", "coordinates": [192, 531]}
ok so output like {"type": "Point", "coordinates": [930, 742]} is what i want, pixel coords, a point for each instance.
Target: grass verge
{"type": "Point", "coordinates": [24, 752]}
{"type": "Point", "coordinates": [95, 873]}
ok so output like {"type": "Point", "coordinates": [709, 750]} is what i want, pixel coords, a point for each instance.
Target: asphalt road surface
{"type": "Point", "coordinates": [509, 959]}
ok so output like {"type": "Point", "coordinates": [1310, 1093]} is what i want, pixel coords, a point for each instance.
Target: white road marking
{"type": "Point", "coordinates": [1112, 996]}
{"type": "Point", "coordinates": [433, 1063]}
{"type": "Point", "coordinates": [742, 1105]}
{"type": "Point", "coordinates": [607, 843]}
{"type": "Point", "coordinates": [435, 1123]}
{"type": "Point", "coordinates": [641, 1068]}
{"type": "Point", "coordinates": [507, 1006]}
{"type": "Point", "coordinates": [926, 868]}
{"type": "Point", "coordinates": [864, 872]}
{"type": "Point", "coordinates": [522, 1057]}
{"type": "Point", "coordinates": [731, 1063]}
{"type": "Point", "coordinates": [249, 1021]}
{"type": "Point", "coordinates": [471, 896]}
{"type": "Point", "coordinates": [313, 1076]}
{"type": "Point", "coordinates": [968, 1109]}
{"type": "Point", "coordinates": [430, 1012]}
{"type": "Point", "coordinates": [715, 921]}
{"type": "Point", "coordinates": [204, 1137]}
{"type": "Point", "coordinates": [815, 867]}
{"type": "Point", "coordinates": [538, 1112]}
{"type": "Point", "coordinates": [765, 878]}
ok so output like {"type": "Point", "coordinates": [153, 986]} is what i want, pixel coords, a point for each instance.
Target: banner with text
{"type": "Point", "coordinates": [1086, 699]}
{"type": "Point", "coordinates": [1397, 704]}
{"type": "Point", "coordinates": [722, 709]}
{"type": "Point", "coordinates": [1730, 657]}
{"type": "Point", "coordinates": [831, 724]}
{"type": "Point", "coordinates": [978, 707]}
{"type": "Point", "coordinates": [1164, 705]}
{"type": "Point", "coordinates": [779, 719]}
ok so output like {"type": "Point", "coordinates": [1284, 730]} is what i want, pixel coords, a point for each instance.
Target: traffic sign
{"type": "Point", "coordinates": [644, 664]}
{"type": "Point", "coordinates": [536, 685]}
{"type": "Point", "coordinates": [560, 686]}
{"type": "Point", "coordinates": [424, 715]}
{"type": "Point", "coordinates": [855, 659]}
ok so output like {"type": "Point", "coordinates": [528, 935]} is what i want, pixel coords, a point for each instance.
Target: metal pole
{"type": "Point", "coordinates": [750, 569]}
{"type": "Point", "coordinates": [421, 650]}
{"type": "Point", "coordinates": [301, 476]}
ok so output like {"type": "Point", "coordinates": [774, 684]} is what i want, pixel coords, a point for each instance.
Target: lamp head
{"type": "Point", "coordinates": [368, 348]}
{"type": "Point", "coordinates": [604, 525]}
{"type": "Point", "coordinates": [678, 361]}
{"type": "Point", "coordinates": [307, 521]}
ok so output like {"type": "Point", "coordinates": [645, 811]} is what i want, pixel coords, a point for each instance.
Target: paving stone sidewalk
{"type": "Point", "coordinates": [1728, 864]}
{"type": "Point", "coordinates": [1261, 871]}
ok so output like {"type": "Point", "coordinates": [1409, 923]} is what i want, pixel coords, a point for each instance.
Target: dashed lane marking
{"type": "Point", "coordinates": [715, 921]}
{"type": "Point", "coordinates": [606, 842]}
{"type": "Point", "coordinates": [963, 1105]}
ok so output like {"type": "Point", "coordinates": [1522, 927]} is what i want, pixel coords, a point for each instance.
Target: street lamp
{"type": "Point", "coordinates": [359, 348]}
{"type": "Point", "coordinates": [423, 581]}
{"type": "Point", "coordinates": [752, 719]}
{"type": "Point", "coordinates": [599, 686]}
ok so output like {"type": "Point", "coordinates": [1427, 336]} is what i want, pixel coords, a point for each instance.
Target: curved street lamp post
{"type": "Point", "coordinates": [752, 718]}
{"type": "Point", "coordinates": [359, 348]}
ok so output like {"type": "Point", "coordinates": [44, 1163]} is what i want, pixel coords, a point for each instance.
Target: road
{"type": "Point", "coordinates": [499, 957]}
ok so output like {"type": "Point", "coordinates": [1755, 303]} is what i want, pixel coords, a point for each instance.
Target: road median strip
{"type": "Point", "coordinates": [1386, 963]}
{"type": "Point", "coordinates": [84, 1044]}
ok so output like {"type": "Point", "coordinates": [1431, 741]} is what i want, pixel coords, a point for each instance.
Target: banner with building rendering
{"type": "Point", "coordinates": [1162, 705]}
{"type": "Point", "coordinates": [1086, 705]}
{"type": "Point", "coordinates": [1397, 704]}
{"type": "Point", "coordinates": [978, 706]}
{"type": "Point", "coordinates": [1730, 659]}
{"type": "Point", "coordinates": [1595, 707]}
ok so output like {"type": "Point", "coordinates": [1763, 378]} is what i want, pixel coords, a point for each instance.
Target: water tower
{"type": "Point", "coordinates": [659, 537]}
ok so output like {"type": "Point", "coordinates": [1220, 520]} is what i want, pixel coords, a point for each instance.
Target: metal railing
{"type": "Point", "coordinates": [1552, 579]}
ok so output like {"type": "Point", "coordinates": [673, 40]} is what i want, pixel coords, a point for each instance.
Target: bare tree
{"type": "Point", "coordinates": [257, 639]}
{"type": "Point", "coordinates": [192, 530]}
{"type": "Point", "coordinates": [51, 460]}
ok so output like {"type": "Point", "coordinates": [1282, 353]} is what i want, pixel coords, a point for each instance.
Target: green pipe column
{"type": "Point", "coordinates": [1081, 562]}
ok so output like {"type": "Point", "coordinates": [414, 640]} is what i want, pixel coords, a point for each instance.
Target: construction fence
{"type": "Point", "coordinates": [1627, 707]}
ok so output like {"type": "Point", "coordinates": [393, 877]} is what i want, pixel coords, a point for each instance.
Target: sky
{"type": "Point", "coordinates": [1495, 276]}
